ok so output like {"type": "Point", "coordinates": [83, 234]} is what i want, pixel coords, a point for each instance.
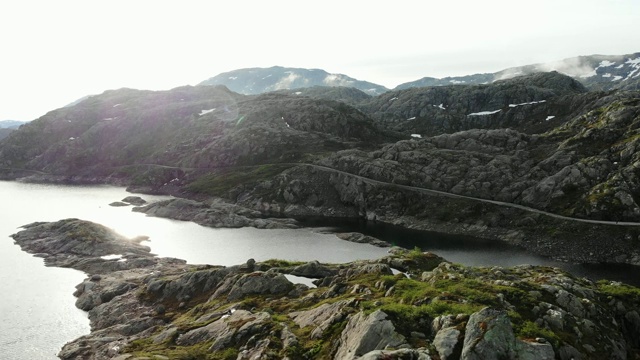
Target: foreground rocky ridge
{"type": "Point", "coordinates": [409, 305]}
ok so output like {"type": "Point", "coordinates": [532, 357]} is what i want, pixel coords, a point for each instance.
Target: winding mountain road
{"type": "Point", "coordinates": [399, 186]}
{"type": "Point", "coordinates": [435, 192]}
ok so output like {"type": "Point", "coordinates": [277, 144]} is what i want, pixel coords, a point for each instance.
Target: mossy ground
{"type": "Point", "coordinates": [411, 303]}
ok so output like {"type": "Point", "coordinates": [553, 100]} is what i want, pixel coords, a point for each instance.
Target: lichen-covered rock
{"type": "Point", "coordinates": [267, 283]}
{"type": "Point", "coordinates": [365, 333]}
{"type": "Point", "coordinates": [313, 269]}
{"type": "Point", "coordinates": [321, 317]}
{"type": "Point", "coordinates": [448, 343]}
{"type": "Point", "coordinates": [223, 331]}
{"type": "Point", "coordinates": [489, 336]}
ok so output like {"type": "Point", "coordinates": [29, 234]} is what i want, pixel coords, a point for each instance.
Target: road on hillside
{"type": "Point", "coordinates": [409, 188]}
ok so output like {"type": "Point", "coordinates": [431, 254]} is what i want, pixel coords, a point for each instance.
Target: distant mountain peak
{"type": "Point", "coordinates": [596, 72]}
{"type": "Point", "coordinates": [260, 80]}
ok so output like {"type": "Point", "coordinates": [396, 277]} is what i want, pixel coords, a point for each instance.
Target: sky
{"type": "Point", "coordinates": [55, 52]}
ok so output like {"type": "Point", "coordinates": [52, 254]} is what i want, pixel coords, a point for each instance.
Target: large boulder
{"type": "Point", "coordinates": [365, 333]}
{"type": "Point", "coordinates": [489, 336]}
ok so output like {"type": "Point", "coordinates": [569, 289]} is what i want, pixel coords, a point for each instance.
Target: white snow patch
{"type": "Point", "coordinates": [416, 136]}
{"type": "Point", "coordinates": [203, 112]}
{"type": "Point", "coordinates": [616, 78]}
{"type": "Point", "coordinates": [72, 138]}
{"type": "Point", "coordinates": [232, 77]}
{"type": "Point", "coordinates": [412, 118]}
{"type": "Point", "coordinates": [631, 73]}
{"type": "Point", "coordinates": [482, 113]}
{"type": "Point", "coordinates": [441, 106]}
{"type": "Point", "coordinates": [527, 103]}
{"type": "Point", "coordinates": [111, 257]}
{"type": "Point", "coordinates": [457, 81]}
{"type": "Point", "coordinates": [633, 62]}
{"type": "Point", "coordinates": [268, 76]}
{"type": "Point", "coordinates": [605, 63]}
{"type": "Point", "coordinates": [549, 117]}
{"type": "Point", "coordinates": [607, 75]}
{"type": "Point", "coordinates": [395, 98]}
{"type": "Point", "coordinates": [620, 66]}
{"type": "Point", "coordinates": [286, 123]}
{"type": "Point", "coordinates": [396, 272]}
{"type": "Point", "coordinates": [301, 280]}
{"type": "Point", "coordinates": [298, 92]}
{"type": "Point", "coordinates": [116, 105]}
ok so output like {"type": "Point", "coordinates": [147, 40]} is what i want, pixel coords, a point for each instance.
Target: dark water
{"type": "Point", "coordinates": [472, 251]}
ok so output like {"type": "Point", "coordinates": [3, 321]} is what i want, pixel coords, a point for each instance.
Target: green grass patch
{"type": "Point", "coordinates": [219, 183]}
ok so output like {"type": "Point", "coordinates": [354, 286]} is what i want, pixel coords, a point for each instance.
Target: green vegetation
{"type": "Point", "coordinates": [219, 183]}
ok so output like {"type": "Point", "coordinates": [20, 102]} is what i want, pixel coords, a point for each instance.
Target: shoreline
{"type": "Point", "coordinates": [142, 306]}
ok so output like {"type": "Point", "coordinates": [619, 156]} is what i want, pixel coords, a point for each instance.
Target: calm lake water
{"type": "Point", "coordinates": [37, 306]}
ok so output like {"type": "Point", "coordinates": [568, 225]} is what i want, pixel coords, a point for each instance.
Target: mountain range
{"type": "Point", "coordinates": [597, 72]}
{"type": "Point", "coordinates": [8, 126]}
{"type": "Point", "coordinates": [260, 80]}
{"type": "Point", "coordinates": [543, 161]}
{"type": "Point", "coordinates": [541, 141]}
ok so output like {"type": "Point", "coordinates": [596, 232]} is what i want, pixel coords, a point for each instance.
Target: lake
{"type": "Point", "coordinates": [37, 306]}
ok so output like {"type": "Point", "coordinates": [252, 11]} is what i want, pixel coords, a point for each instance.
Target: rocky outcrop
{"type": "Point", "coordinates": [363, 239]}
{"type": "Point", "coordinates": [489, 336]}
{"type": "Point", "coordinates": [149, 307]}
{"type": "Point", "coordinates": [365, 333]}
{"type": "Point", "coordinates": [216, 214]}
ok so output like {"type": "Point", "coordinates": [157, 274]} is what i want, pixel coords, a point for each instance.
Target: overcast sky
{"type": "Point", "coordinates": [54, 52]}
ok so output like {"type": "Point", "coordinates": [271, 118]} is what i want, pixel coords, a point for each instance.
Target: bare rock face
{"type": "Point", "coordinates": [218, 214]}
{"type": "Point", "coordinates": [240, 323]}
{"type": "Point", "coordinates": [321, 317]}
{"type": "Point", "coordinates": [313, 269]}
{"type": "Point", "coordinates": [365, 333]}
{"type": "Point", "coordinates": [489, 336]}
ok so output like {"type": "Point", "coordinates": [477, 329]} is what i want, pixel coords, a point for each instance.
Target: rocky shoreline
{"type": "Point", "coordinates": [291, 196]}
{"type": "Point", "coordinates": [408, 305]}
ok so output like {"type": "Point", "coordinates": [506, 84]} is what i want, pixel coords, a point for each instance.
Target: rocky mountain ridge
{"type": "Point", "coordinates": [597, 72]}
{"type": "Point", "coordinates": [260, 80]}
{"type": "Point", "coordinates": [409, 305]}
{"type": "Point", "coordinates": [11, 124]}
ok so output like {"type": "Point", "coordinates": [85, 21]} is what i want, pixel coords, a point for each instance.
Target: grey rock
{"type": "Point", "coordinates": [447, 343]}
{"type": "Point", "coordinates": [405, 354]}
{"type": "Point", "coordinates": [365, 333]}
{"type": "Point", "coordinates": [489, 335]}
{"type": "Point", "coordinates": [223, 330]}
{"type": "Point", "coordinates": [259, 283]}
{"type": "Point", "coordinates": [134, 200]}
{"type": "Point", "coordinates": [313, 269]}
{"type": "Point", "coordinates": [321, 317]}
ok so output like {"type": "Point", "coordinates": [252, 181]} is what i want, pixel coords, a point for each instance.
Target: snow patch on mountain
{"type": "Point", "coordinates": [484, 113]}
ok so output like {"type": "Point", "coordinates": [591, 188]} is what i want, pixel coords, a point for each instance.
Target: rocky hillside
{"type": "Point", "coordinates": [5, 132]}
{"type": "Point", "coordinates": [597, 72]}
{"type": "Point", "coordinates": [191, 127]}
{"type": "Point", "coordinates": [526, 102]}
{"type": "Point", "coordinates": [502, 161]}
{"type": "Point", "coordinates": [409, 305]}
{"type": "Point", "coordinates": [261, 80]}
